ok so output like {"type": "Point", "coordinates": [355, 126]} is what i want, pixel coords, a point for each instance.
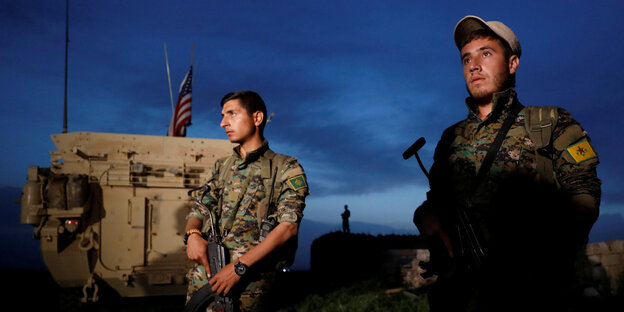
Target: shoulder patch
{"type": "Point", "coordinates": [581, 151]}
{"type": "Point", "coordinates": [297, 182]}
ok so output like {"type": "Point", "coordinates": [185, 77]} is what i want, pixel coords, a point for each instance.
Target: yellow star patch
{"type": "Point", "coordinates": [581, 151]}
{"type": "Point", "coordinates": [297, 182]}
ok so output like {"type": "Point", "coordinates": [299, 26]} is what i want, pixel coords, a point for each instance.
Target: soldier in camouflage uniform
{"type": "Point", "coordinates": [529, 218]}
{"type": "Point", "coordinates": [238, 199]}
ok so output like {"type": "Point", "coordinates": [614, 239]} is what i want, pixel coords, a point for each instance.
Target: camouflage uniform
{"type": "Point", "coordinates": [512, 209]}
{"type": "Point", "coordinates": [237, 202]}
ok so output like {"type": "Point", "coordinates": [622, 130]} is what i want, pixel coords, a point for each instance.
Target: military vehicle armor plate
{"type": "Point", "coordinates": [111, 208]}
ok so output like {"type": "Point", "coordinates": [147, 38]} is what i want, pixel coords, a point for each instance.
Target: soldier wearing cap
{"type": "Point", "coordinates": [513, 189]}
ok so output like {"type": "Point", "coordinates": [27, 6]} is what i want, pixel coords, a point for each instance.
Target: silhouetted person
{"type": "Point", "coordinates": [345, 220]}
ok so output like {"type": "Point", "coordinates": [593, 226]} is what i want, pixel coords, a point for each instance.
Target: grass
{"type": "Point", "coordinates": [370, 295]}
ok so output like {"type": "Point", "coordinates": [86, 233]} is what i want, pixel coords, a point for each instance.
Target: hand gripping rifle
{"type": "Point", "coordinates": [468, 240]}
{"type": "Point", "coordinates": [216, 260]}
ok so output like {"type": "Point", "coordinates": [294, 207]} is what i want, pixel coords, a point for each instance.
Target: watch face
{"type": "Point", "coordinates": [240, 268]}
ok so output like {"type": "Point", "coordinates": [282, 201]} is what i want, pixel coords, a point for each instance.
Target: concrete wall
{"type": "Point", "coordinates": [603, 266]}
{"type": "Point", "coordinates": [610, 257]}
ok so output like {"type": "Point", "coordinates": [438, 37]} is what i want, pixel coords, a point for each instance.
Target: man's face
{"type": "Point", "coordinates": [238, 125]}
{"type": "Point", "coordinates": [486, 69]}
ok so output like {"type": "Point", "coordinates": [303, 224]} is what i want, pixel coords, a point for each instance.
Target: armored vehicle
{"type": "Point", "coordinates": [111, 209]}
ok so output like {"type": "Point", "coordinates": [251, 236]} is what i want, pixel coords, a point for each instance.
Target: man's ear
{"type": "Point", "coordinates": [514, 62]}
{"type": "Point", "coordinates": [258, 117]}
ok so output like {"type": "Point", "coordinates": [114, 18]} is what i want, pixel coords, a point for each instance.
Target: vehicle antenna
{"type": "Point", "coordinates": [195, 71]}
{"type": "Point", "coordinates": [169, 78]}
{"type": "Point", "coordinates": [66, 48]}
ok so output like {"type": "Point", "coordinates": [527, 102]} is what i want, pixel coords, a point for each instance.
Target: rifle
{"type": "Point", "coordinates": [216, 260]}
{"type": "Point", "coordinates": [470, 247]}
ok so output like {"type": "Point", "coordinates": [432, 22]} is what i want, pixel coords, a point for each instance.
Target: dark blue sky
{"type": "Point", "coordinates": [352, 83]}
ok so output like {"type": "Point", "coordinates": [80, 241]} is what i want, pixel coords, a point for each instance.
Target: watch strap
{"type": "Point", "coordinates": [239, 264]}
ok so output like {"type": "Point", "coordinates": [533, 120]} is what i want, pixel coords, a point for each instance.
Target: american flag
{"type": "Point", "coordinates": [182, 115]}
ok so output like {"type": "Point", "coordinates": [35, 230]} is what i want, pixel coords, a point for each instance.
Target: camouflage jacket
{"type": "Point", "coordinates": [237, 200]}
{"type": "Point", "coordinates": [512, 181]}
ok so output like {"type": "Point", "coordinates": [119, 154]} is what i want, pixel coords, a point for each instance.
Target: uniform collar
{"type": "Point", "coordinates": [253, 155]}
{"type": "Point", "coordinates": [501, 102]}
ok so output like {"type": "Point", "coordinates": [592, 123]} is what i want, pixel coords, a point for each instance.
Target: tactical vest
{"type": "Point", "coordinates": [272, 163]}
{"type": "Point", "coordinates": [540, 121]}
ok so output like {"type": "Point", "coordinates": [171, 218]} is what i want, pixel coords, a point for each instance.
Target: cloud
{"type": "Point", "coordinates": [352, 86]}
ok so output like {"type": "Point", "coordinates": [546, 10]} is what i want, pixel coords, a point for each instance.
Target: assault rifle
{"type": "Point", "coordinates": [469, 245]}
{"type": "Point", "coordinates": [216, 259]}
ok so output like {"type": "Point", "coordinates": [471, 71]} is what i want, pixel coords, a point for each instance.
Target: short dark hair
{"type": "Point", "coordinates": [250, 101]}
{"type": "Point", "coordinates": [486, 33]}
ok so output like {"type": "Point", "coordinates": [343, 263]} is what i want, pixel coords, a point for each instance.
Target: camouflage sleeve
{"type": "Point", "coordinates": [293, 191]}
{"type": "Point", "coordinates": [212, 198]}
{"type": "Point", "coordinates": [575, 158]}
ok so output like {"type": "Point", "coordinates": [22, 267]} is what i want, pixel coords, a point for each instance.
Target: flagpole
{"type": "Point", "coordinates": [66, 48]}
{"type": "Point", "coordinates": [192, 54]}
{"type": "Point", "coordinates": [169, 79]}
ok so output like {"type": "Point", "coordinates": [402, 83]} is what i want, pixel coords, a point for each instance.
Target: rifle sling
{"type": "Point", "coordinates": [498, 141]}
{"type": "Point", "coordinates": [270, 205]}
{"type": "Point", "coordinates": [477, 250]}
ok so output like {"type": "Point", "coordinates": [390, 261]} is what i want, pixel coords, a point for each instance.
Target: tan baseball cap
{"type": "Point", "coordinates": [471, 23]}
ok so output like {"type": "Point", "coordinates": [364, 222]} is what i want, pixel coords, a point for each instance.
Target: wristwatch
{"type": "Point", "coordinates": [240, 268]}
{"type": "Point", "coordinates": [190, 232]}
